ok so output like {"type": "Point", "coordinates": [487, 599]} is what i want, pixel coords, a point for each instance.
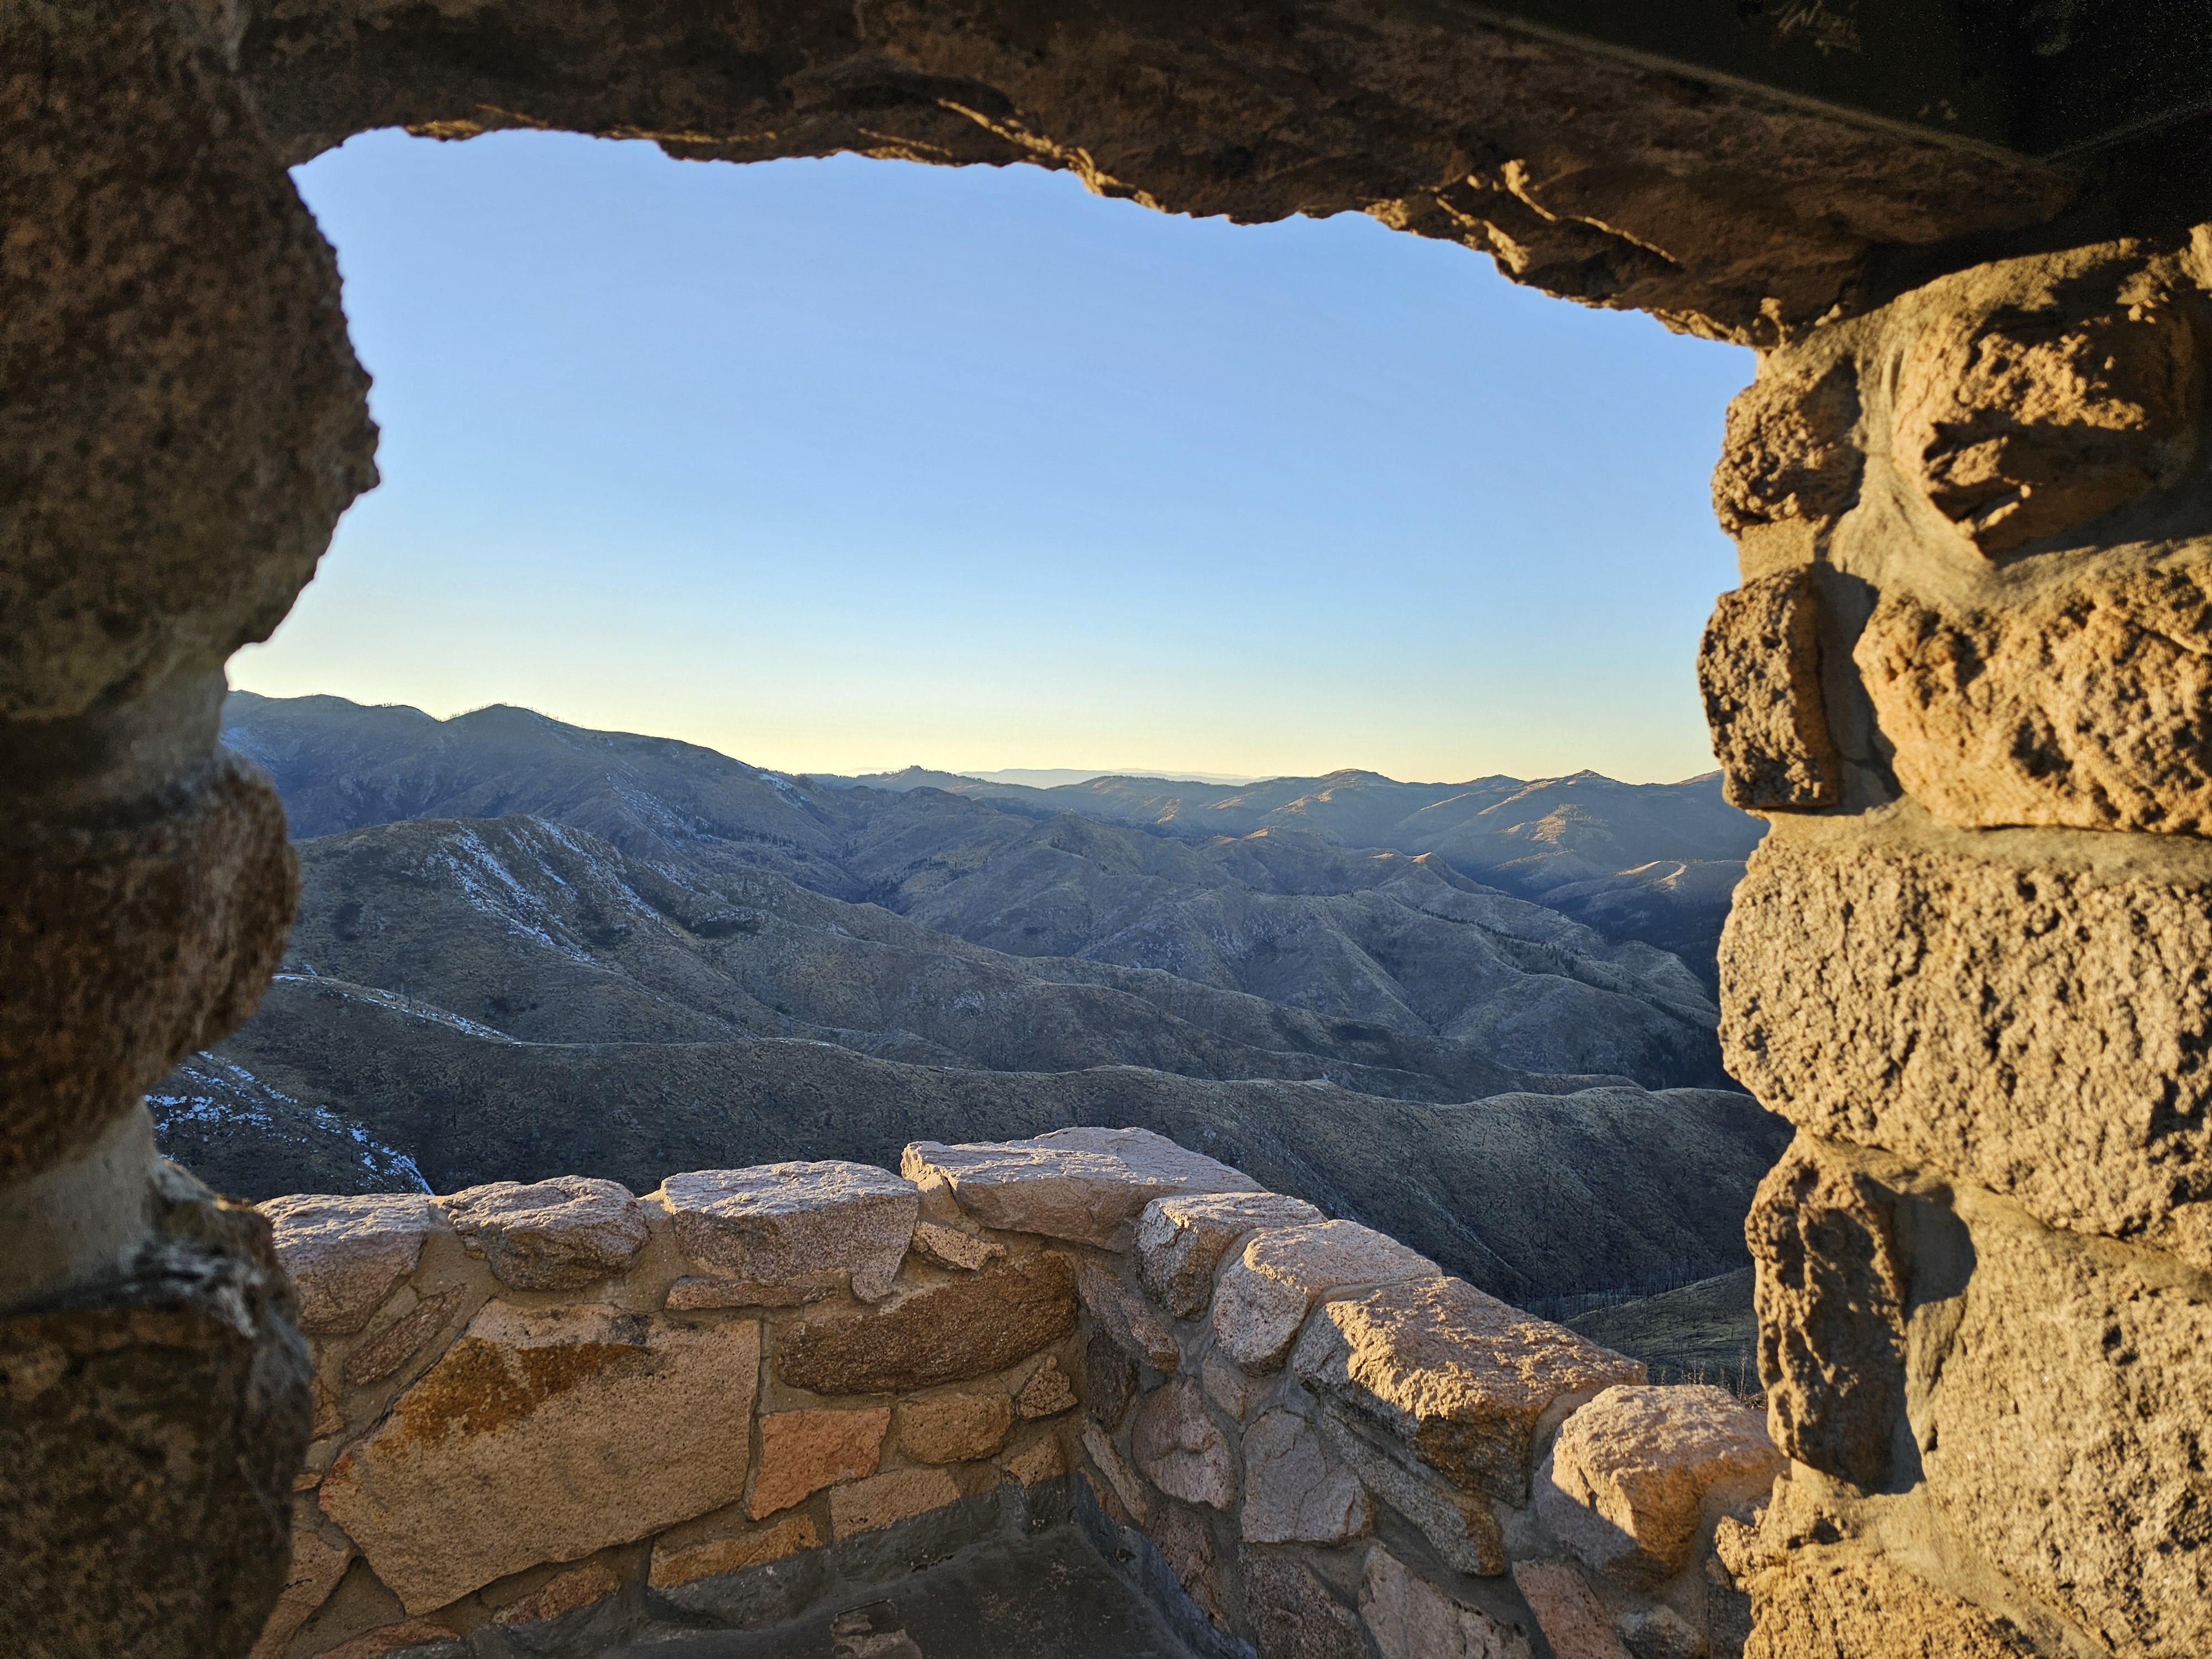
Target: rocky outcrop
{"type": "Point", "coordinates": [602, 1462]}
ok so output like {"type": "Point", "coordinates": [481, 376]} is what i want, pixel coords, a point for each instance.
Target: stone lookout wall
{"type": "Point", "coordinates": [549, 1417]}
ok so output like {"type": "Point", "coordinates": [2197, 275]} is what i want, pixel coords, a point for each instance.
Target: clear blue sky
{"type": "Point", "coordinates": [844, 465]}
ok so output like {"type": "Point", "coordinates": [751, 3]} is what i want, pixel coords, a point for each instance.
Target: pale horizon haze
{"type": "Point", "coordinates": [845, 466]}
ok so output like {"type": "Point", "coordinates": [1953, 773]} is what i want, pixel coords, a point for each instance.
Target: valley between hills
{"type": "Point", "coordinates": [1479, 1017]}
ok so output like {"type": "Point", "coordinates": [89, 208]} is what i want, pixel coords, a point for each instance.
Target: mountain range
{"type": "Point", "coordinates": [526, 948]}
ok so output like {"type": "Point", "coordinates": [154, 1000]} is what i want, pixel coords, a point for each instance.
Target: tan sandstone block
{"type": "Point", "coordinates": [1463, 1383]}
{"type": "Point", "coordinates": [1294, 1492]}
{"type": "Point", "coordinates": [1046, 1393]}
{"type": "Point", "coordinates": [1758, 666]}
{"type": "Point", "coordinates": [802, 1452]}
{"type": "Point", "coordinates": [316, 1564]}
{"type": "Point", "coordinates": [947, 1334]}
{"type": "Point", "coordinates": [1830, 1284]}
{"type": "Point", "coordinates": [1181, 1240]}
{"type": "Point", "coordinates": [1266, 1294]}
{"type": "Point", "coordinates": [2033, 406]}
{"type": "Point", "coordinates": [782, 1223]}
{"type": "Point", "coordinates": [1180, 1448]}
{"type": "Point", "coordinates": [1087, 1185]}
{"type": "Point", "coordinates": [384, 1351]}
{"type": "Point", "coordinates": [1626, 1484]}
{"type": "Point", "coordinates": [1817, 1606]}
{"type": "Point", "coordinates": [2040, 1032]}
{"type": "Point", "coordinates": [1573, 1620]}
{"type": "Point", "coordinates": [948, 1247]}
{"type": "Point", "coordinates": [1132, 1322]}
{"type": "Point", "coordinates": [564, 1592]}
{"type": "Point", "coordinates": [865, 1505]}
{"type": "Point", "coordinates": [698, 1292]}
{"type": "Point", "coordinates": [955, 1428]}
{"type": "Point", "coordinates": [1411, 1619]}
{"type": "Point", "coordinates": [2083, 706]}
{"type": "Point", "coordinates": [345, 1254]}
{"type": "Point", "coordinates": [1788, 452]}
{"type": "Point", "coordinates": [1042, 1459]}
{"type": "Point", "coordinates": [549, 1235]}
{"type": "Point", "coordinates": [546, 1435]}
{"type": "Point", "coordinates": [1230, 1387]}
{"type": "Point", "coordinates": [675, 1565]}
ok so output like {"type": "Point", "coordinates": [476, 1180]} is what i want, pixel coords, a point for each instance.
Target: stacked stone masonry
{"type": "Point", "coordinates": [1976, 530]}
{"type": "Point", "coordinates": [1966, 673]}
{"type": "Point", "coordinates": [535, 1461]}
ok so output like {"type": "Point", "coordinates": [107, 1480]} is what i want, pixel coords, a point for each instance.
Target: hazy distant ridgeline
{"type": "Point", "coordinates": [525, 947]}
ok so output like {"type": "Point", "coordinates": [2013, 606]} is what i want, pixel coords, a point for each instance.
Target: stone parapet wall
{"type": "Point", "coordinates": [549, 1417]}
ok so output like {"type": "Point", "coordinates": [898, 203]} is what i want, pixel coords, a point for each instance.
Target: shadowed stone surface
{"type": "Point", "coordinates": [385, 1351]}
{"type": "Point", "coordinates": [345, 1254]}
{"type": "Point", "coordinates": [1180, 1450]}
{"type": "Point", "coordinates": [1294, 1492]}
{"type": "Point", "coordinates": [2041, 408]}
{"type": "Point", "coordinates": [1046, 1393]}
{"type": "Point", "coordinates": [1410, 1617]}
{"type": "Point", "coordinates": [949, 1333]}
{"type": "Point", "coordinates": [1574, 1621]}
{"type": "Point", "coordinates": [1462, 1529]}
{"type": "Point", "coordinates": [1758, 666]}
{"type": "Point", "coordinates": [316, 1564]}
{"type": "Point", "coordinates": [1087, 1185]}
{"type": "Point", "coordinates": [677, 1565]}
{"type": "Point", "coordinates": [550, 1235]}
{"type": "Point", "coordinates": [948, 1247]}
{"type": "Point", "coordinates": [1787, 453]}
{"type": "Point", "coordinates": [1830, 1282]}
{"type": "Point", "coordinates": [1629, 1473]}
{"type": "Point", "coordinates": [1127, 1318]}
{"type": "Point", "coordinates": [1293, 1614]}
{"type": "Point", "coordinates": [543, 1436]}
{"type": "Point", "coordinates": [150, 1428]}
{"type": "Point", "coordinates": [1458, 1380]}
{"type": "Point", "coordinates": [1266, 1293]}
{"type": "Point", "coordinates": [1181, 1241]}
{"type": "Point", "coordinates": [786, 1222]}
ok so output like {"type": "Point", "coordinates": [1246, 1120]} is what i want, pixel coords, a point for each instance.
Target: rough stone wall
{"type": "Point", "coordinates": [1975, 975]}
{"type": "Point", "coordinates": [555, 1416]}
{"type": "Point", "coordinates": [1965, 671]}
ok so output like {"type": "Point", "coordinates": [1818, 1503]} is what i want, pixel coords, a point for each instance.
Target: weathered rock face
{"type": "Point", "coordinates": [1982, 1265]}
{"type": "Point", "coordinates": [1411, 1619]}
{"type": "Point", "coordinates": [783, 1224]}
{"type": "Point", "coordinates": [550, 1235]}
{"type": "Point", "coordinates": [2084, 704]}
{"type": "Point", "coordinates": [2043, 1032]}
{"type": "Point", "coordinates": [1760, 667]}
{"type": "Point", "coordinates": [968, 1328]}
{"type": "Point", "coordinates": [1629, 1474]}
{"type": "Point", "coordinates": [543, 1437]}
{"type": "Point", "coordinates": [1266, 1294]}
{"type": "Point", "coordinates": [1181, 1241]}
{"type": "Point", "coordinates": [151, 1426]}
{"type": "Point", "coordinates": [1294, 1492]}
{"type": "Point", "coordinates": [1831, 1288]}
{"type": "Point", "coordinates": [345, 1254]}
{"type": "Point", "coordinates": [1462, 1382]}
{"type": "Point", "coordinates": [1180, 1448]}
{"type": "Point", "coordinates": [1087, 1185]}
